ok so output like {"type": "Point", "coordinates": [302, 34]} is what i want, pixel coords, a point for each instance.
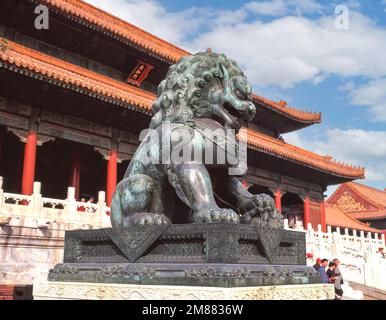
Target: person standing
{"type": "Point", "coordinates": [331, 272]}
{"type": "Point", "coordinates": [322, 270]}
{"type": "Point", "coordinates": [338, 280]}
{"type": "Point", "coordinates": [317, 264]}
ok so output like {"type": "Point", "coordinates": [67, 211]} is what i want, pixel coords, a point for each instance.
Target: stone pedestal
{"type": "Point", "coordinates": [53, 290]}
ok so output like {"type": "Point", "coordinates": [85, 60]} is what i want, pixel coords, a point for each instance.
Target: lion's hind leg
{"type": "Point", "coordinates": [132, 202]}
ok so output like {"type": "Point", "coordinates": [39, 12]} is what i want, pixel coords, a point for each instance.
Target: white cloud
{"type": "Point", "coordinates": [283, 7]}
{"type": "Point", "coordinates": [292, 49]}
{"type": "Point", "coordinates": [372, 95]}
{"type": "Point", "coordinates": [353, 146]}
{"type": "Point", "coordinates": [269, 8]}
{"type": "Point", "coordinates": [151, 16]}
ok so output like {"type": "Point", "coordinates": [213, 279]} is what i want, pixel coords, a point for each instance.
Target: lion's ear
{"type": "Point", "coordinates": [224, 72]}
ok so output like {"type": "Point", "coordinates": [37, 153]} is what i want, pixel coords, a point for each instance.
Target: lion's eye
{"type": "Point", "coordinates": [239, 94]}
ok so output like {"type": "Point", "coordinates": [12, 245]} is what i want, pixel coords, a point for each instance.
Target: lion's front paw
{"type": "Point", "coordinates": [216, 215]}
{"type": "Point", "coordinates": [147, 218]}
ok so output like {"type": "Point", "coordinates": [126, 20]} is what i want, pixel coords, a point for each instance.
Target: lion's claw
{"type": "Point", "coordinates": [216, 215]}
{"type": "Point", "coordinates": [147, 218]}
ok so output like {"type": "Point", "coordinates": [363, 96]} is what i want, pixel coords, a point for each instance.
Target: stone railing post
{"type": "Point", "coordinates": [286, 226]}
{"type": "Point", "coordinates": [36, 204]}
{"type": "Point", "coordinates": [338, 243]}
{"type": "Point", "coordinates": [362, 240]}
{"type": "Point", "coordinates": [368, 265]}
{"type": "Point", "coordinates": [310, 240]}
{"type": "Point", "coordinates": [1, 195]}
{"type": "Point", "coordinates": [334, 244]}
{"type": "Point", "coordinates": [102, 216]}
{"type": "Point", "coordinates": [321, 242]}
{"type": "Point", "coordinates": [71, 212]}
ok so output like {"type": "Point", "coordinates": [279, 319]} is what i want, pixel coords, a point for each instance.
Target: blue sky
{"type": "Point", "coordinates": [292, 50]}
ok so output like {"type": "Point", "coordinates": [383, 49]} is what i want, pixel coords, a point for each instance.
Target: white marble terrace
{"type": "Point", "coordinates": [361, 261]}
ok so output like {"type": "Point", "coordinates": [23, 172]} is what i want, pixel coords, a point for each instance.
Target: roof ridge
{"type": "Point", "coordinates": [64, 69]}
{"type": "Point", "coordinates": [353, 219]}
{"type": "Point", "coordinates": [119, 26]}
{"type": "Point", "coordinates": [298, 154]}
{"type": "Point", "coordinates": [361, 185]}
{"type": "Point", "coordinates": [281, 106]}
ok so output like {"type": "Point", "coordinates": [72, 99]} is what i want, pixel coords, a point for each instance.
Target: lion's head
{"type": "Point", "coordinates": [204, 85]}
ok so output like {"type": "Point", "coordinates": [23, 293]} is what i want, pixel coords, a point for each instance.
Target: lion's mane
{"type": "Point", "coordinates": [183, 95]}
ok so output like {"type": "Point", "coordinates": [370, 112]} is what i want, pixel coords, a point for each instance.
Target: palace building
{"type": "Point", "coordinates": [361, 203]}
{"type": "Point", "coordinates": [74, 98]}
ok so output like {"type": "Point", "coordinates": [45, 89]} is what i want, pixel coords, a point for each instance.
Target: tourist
{"type": "Point", "coordinates": [317, 264]}
{"type": "Point", "coordinates": [338, 281]}
{"type": "Point", "coordinates": [331, 272]}
{"type": "Point", "coordinates": [90, 201]}
{"type": "Point", "coordinates": [322, 270]}
{"type": "Point", "coordinates": [82, 208]}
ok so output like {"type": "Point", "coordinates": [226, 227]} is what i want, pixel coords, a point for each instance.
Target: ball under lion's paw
{"type": "Point", "coordinates": [216, 215]}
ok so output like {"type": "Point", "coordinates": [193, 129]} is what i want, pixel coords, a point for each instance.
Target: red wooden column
{"type": "Point", "coordinates": [323, 216]}
{"type": "Point", "coordinates": [278, 199]}
{"type": "Point", "coordinates": [307, 215]}
{"type": "Point", "coordinates": [29, 163]}
{"type": "Point", "coordinates": [75, 172]}
{"type": "Point", "coordinates": [2, 138]}
{"type": "Point", "coordinates": [111, 182]}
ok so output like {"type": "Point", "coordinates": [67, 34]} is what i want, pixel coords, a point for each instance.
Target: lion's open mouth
{"type": "Point", "coordinates": [232, 111]}
{"type": "Point", "coordinates": [233, 115]}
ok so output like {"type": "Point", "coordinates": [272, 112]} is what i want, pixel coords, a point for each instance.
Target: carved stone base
{"type": "Point", "coordinates": [51, 290]}
{"type": "Point", "coordinates": [186, 243]}
{"type": "Point", "coordinates": [205, 275]}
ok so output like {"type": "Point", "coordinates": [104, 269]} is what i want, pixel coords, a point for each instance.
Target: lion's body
{"type": "Point", "coordinates": [203, 89]}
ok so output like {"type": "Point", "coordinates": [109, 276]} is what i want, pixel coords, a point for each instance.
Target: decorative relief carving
{"type": "Point", "coordinates": [100, 291]}
{"type": "Point", "coordinates": [347, 203]}
{"type": "Point", "coordinates": [211, 272]}
{"type": "Point", "coordinates": [43, 139]}
{"type": "Point", "coordinates": [19, 133]}
{"type": "Point", "coordinates": [22, 135]}
{"type": "Point", "coordinates": [131, 271]}
{"type": "Point", "coordinates": [65, 269]}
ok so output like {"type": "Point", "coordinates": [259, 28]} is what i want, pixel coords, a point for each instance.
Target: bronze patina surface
{"type": "Point", "coordinates": [190, 222]}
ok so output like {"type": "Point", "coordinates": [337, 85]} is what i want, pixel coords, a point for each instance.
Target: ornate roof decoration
{"type": "Point", "coordinates": [291, 112]}
{"type": "Point", "coordinates": [346, 202]}
{"type": "Point", "coordinates": [162, 48]}
{"type": "Point", "coordinates": [118, 27]}
{"type": "Point", "coordinates": [372, 195]}
{"type": "Point", "coordinates": [280, 148]}
{"type": "Point", "coordinates": [360, 201]}
{"type": "Point", "coordinates": [369, 214]}
{"type": "Point", "coordinates": [68, 73]}
{"type": "Point", "coordinates": [21, 59]}
{"type": "Point", "coordinates": [336, 217]}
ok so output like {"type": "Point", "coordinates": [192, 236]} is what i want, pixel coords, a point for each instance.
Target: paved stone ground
{"type": "Point", "coordinates": [368, 292]}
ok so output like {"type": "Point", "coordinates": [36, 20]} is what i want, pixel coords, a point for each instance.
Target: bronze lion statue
{"type": "Point", "coordinates": [202, 93]}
